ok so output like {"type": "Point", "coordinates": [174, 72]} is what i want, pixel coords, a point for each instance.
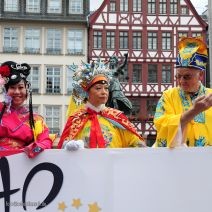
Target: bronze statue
{"type": "Point", "coordinates": [117, 99]}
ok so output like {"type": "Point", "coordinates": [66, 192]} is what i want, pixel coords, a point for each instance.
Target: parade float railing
{"type": "Point", "coordinates": [108, 180]}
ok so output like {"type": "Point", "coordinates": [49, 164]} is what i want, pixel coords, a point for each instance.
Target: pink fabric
{"type": "Point", "coordinates": [16, 134]}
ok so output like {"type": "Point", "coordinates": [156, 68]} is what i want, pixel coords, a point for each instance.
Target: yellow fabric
{"type": "Point", "coordinates": [167, 120]}
{"type": "Point", "coordinates": [186, 50]}
{"type": "Point", "coordinates": [73, 106]}
{"type": "Point", "coordinates": [114, 136]}
{"type": "Point", "coordinates": [38, 128]}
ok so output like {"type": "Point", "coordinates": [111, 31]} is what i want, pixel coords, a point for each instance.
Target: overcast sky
{"type": "Point", "coordinates": [198, 4]}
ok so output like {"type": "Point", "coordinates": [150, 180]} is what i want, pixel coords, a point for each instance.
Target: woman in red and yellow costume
{"type": "Point", "coordinates": [21, 130]}
{"type": "Point", "coordinates": [94, 125]}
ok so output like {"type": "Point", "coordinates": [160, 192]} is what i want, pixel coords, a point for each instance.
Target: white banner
{"type": "Point", "coordinates": [108, 180]}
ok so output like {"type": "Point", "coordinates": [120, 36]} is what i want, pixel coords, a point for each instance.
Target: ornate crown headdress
{"type": "Point", "coordinates": [86, 74]}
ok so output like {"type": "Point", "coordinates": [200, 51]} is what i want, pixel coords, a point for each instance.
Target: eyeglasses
{"type": "Point", "coordinates": [185, 77]}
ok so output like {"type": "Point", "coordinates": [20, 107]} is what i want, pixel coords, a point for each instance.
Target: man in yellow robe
{"type": "Point", "coordinates": [184, 115]}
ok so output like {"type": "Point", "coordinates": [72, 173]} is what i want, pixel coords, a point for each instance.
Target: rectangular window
{"type": "Point", "coordinates": [166, 41]}
{"type": "Point", "coordinates": [123, 40]}
{"type": "Point", "coordinates": [52, 118]}
{"type": "Point", "coordinates": [112, 6]}
{"type": "Point", "coordinates": [137, 73]}
{"type": "Point", "coordinates": [135, 108]}
{"type": "Point", "coordinates": [75, 41]}
{"type": "Point", "coordinates": [151, 107]}
{"type": "Point", "coordinates": [76, 6]}
{"type": "Point", "coordinates": [34, 78]}
{"type": "Point", "coordinates": [182, 34]}
{"type": "Point", "coordinates": [69, 80]}
{"type": "Point", "coordinates": [53, 80]}
{"type": "Point", "coordinates": [11, 5]}
{"type": "Point", "coordinates": [32, 41]}
{"type": "Point", "coordinates": [152, 41]}
{"type": "Point", "coordinates": [184, 10]}
{"type": "Point", "coordinates": [54, 6]}
{"type": "Point", "coordinates": [137, 40]}
{"type": "Point", "coordinates": [54, 42]}
{"type": "Point", "coordinates": [110, 42]}
{"type": "Point", "coordinates": [97, 40]}
{"type": "Point", "coordinates": [137, 5]}
{"type": "Point", "coordinates": [173, 7]}
{"type": "Point", "coordinates": [151, 6]}
{"type": "Point", "coordinates": [10, 40]}
{"type": "Point", "coordinates": [152, 73]}
{"type": "Point", "coordinates": [36, 109]}
{"type": "Point", "coordinates": [33, 6]}
{"type": "Point", "coordinates": [124, 5]}
{"type": "Point", "coordinates": [162, 7]}
{"type": "Point", "coordinates": [196, 34]}
{"type": "Point", "coordinates": [166, 74]}
{"type": "Point", "coordinates": [124, 77]}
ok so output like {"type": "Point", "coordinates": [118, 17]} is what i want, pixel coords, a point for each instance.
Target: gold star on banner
{"type": "Point", "coordinates": [62, 206]}
{"type": "Point", "coordinates": [94, 207]}
{"type": "Point", "coordinates": [76, 203]}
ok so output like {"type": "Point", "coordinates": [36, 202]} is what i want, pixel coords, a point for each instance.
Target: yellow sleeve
{"type": "Point", "coordinates": [167, 119]}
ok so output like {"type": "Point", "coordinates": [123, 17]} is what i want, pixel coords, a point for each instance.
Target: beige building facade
{"type": "Point", "coordinates": [50, 36]}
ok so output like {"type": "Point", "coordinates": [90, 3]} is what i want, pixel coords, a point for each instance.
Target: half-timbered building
{"type": "Point", "coordinates": [148, 30]}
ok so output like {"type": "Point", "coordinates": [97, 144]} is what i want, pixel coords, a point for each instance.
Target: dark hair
{"type": "Point", "coordinates": [16, 73]}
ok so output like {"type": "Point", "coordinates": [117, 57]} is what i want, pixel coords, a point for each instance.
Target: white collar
{"type": "Point", "coordinates": [97, 109]}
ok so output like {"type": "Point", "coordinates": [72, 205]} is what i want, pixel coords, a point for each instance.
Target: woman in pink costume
{"type": "Point", "coordinates": [20, 129]}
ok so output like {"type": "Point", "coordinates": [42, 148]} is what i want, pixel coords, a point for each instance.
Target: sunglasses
{"type": "Point", "coordinates": [185, 77]}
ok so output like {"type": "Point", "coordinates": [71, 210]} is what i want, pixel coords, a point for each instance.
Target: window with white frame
{"type": "Point", "coordinates": [97, 39]}
{"type": "Point", "coordinates": [196, 34]}
{"type": "Point", "coordinates": [124, 77]}
{"type": "Point", "coordinates": [54, 41]}
{"type": "Point", "coordinates": [10, 40]}
{"type": "Point", "coordinates": [54, 6]}
{"type": "Point", "coordinates": [137, 5]}
{"type": "Point", "coordinates": [182, 34]}
{"type": "Point", "coordinates": [32, 41]}
{"type": "Point", "coordinates": [137, 38]}
{"type": "Point", "coordinates": [166, 41]}
{"type": "Point", "coordinates": [110, 40]}
{"type": "Point", "coordinates": [123, 5]}
{"type": "Point", "coordinates": [52, 118]}
{"type": "Point", "coordinates": [69, 80]}
{"type": "Point", "coordinates": [75, 41]}
{"type": "Point", "coordinates": [152, 73]}
{"type": "Point", "coordinates": [151, 107]}
{"type": "Point", "coordinates": [173, 6]}
{"type": "Point", "coordinates": [123, 40]}
{"type": "Point", "coordinates": [76, 6]}
{"type": "Point", "coordinates": [36, 109]}
{"type": "Point", "coordinates": [152, 41]}
{"type": "Point", "coordinates": [33, 6]}
{"type": "Point", "coordinates": [163, 6]}
{"type": "Point", "coordinates": [11, 5]}
{"type": "Point", "coordinates": [166, 74]}
{"type": "Point", "coordinates": [151, 6]}
{"type": "Point", "coordinates": [137, 73]}
{"type": "Point", "coordinates": [184, 10]}
{"type": "Point", "coordinates": [135, 107]}
{"type": "Point", "coordinates": [112, 6]}
{"type": "Point", "coordinates": [34, 78]}
{"type": "Point", "coordinates": [53, 76]}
